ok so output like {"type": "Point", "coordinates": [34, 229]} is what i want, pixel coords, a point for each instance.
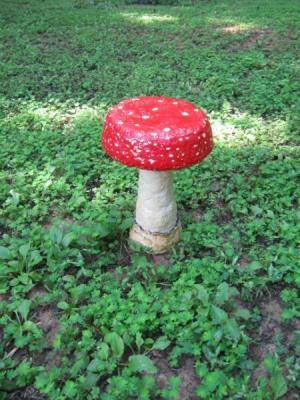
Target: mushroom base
{"type": "Point", "coordinates": [157, 243]}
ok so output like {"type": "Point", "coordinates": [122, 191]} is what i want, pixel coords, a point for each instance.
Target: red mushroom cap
{"type": "Point", "coordinates": [157, 133]}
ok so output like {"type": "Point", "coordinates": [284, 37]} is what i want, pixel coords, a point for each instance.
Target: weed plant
{"type": "Point", "coordinates": [86, 315]}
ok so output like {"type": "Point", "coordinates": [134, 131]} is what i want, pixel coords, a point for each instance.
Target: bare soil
{"type": "Point", "coordinates": [270, 325]}
{"type": "Point", "coordinates": [48, 321]}
{"type": "Point", "coordinates": [29, 393]}
{"type": "Point", "coordinates": [186, 372]}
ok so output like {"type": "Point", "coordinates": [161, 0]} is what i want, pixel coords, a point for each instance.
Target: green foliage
{"type": "Point", "coordinates": [116, 343]}
{"type": "Point", "coordinates": [277, 381]}
{"type": "Point", "coordinates": [82, 315]}
{"type": "Point", "coordinates": [141, 363]}
{"type": "Point", "coordinates": [157, 2]}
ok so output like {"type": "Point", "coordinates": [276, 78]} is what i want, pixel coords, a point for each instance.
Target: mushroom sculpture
{"type": "Point", "coordinates": [156, 135]}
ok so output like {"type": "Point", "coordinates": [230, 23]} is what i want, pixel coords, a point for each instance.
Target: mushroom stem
{"type": "Point", "coordinates": [156, 209]}
{"type": "Point", "coordinates": [156, 224]}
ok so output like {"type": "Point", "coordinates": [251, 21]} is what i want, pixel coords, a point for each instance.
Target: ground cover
{"type": "Point", "coordinates": [84, 314]}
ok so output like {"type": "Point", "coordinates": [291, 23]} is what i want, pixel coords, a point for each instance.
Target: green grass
{"type": "Point", "coordinates": [83, 314]}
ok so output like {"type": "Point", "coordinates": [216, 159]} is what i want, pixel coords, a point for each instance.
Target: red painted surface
{"type": "Point", "coordinates": [157, 133]}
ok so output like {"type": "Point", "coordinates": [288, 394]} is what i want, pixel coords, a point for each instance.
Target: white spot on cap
{"type": "Point", "coordinates": [180, 139]}
{"type": "Point", "coordinates": [139, 134]}
{"type": "Point", "coordinates": [116, 145]}
{"type": "Point", "coordinates": [160, 101]}
{"type": "Point", "coordinates": [120, 122]}
{"type": "Point", "coordinates": [196, 109]}
{"type": "Point", "coordinates": [195, 145]}
{"type": "Point", "coordinates": [137, 124]}
{"type": "Point", "coordinates": [154, 144]}
{"type": "Point", "coordinates": [171, 155]}
{"type": "Point", "coordinates": [130, 113]}
{"type": "Point", "coordinates": [197, 154]}
{"type": "Point", "coordinates": [155, 109]}
{"type": "Point", "coordinates": [168, 148]}
{"type": "Point", "coordinates": [184, 114]}
{"type": "Point", "coordinates": [204, 134]}
{"type": "Point", "coordinates": [120, 107]}
{"type": "Point", "coordinates": [167, 129]}
{"type": "Point", "coordinates": [151, 161]}
{"type": "Point", "coordinates": [175, 102]}
{"type": "Point", "coordinates": [145, 116]}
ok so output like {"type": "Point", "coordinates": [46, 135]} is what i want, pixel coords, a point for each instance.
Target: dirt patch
{"type": "Point", "coordinates": [29, 393]}
{"type": "Point", "coordinates": [48, 321]}
{"type": "Point", "coordinates": [64, 223]}
{"type": "Point", "coordinates": [186, 373]}
{"type": "Point", "coordinates": [266, 39]}
{"type": "Point", "coordinates": [37, 292]}
{"type": "Point", "coordinates": [46, 41]}
{"type": "Point", "coordinates": [271, 313]}
{"type": "Point", "coordinates": [270, 39]}
{"type": "Point", "coordinates": [3, 297]}
{"type": "Point", "coordinates": [178, 41]}
{"type": "Point", "coordinates": [160, 259]}
{"type": "Point", "coordinates": [223, 215]}
{"type": "Point", "coordinates": [65, 122]}
{"type": "Point", "coordinates": [267, 36]}
{"type": "Point", "coordinates": [263, 335]}
{"type": "Point", "coordinates": [198, 214]}
{"type": "Point", "coordinates": [246, 39]}
{"type": "Point", "coordinates": [52, 214]}
{"type": "Point", "coordinates": [243, 261]}
{"type": "Point", "coordinates": [195, 36]}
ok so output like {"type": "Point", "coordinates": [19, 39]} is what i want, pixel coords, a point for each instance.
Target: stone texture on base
{"type": "Point", "coordinates": [157, 243]}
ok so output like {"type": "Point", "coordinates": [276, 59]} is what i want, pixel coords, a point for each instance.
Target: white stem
{"type": "Point", "coordinates": [156, 209]}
